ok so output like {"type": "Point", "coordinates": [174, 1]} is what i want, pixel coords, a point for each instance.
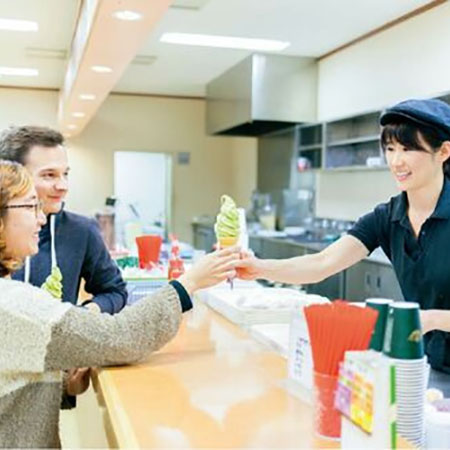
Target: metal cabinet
{"type": "Point", "coordinates": [278, 249]}
{"type": "Point", "coordinates": [388, 285]}
{"type": "Point", "coordinates": [363, 280]}
{"type": "Point", "coordinates": [204, 237]}
{"type": "Point", "coordinates": [332, 287]}
{"type": "Point", "coordinates": [268, 248]}
{"type": "Point", "coordinates": [255, 243]}
{"type": "Point", "coordinates": [370, 279]}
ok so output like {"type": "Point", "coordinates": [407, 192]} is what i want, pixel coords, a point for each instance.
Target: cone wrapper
{"type": "Point", "coordinates": [227, 241]}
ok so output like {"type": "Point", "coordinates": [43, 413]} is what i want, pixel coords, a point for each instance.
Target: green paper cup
{"type": "Point", "coordinates": [403, 336]}
{"type": "Point", "coordinates": [382, 306]}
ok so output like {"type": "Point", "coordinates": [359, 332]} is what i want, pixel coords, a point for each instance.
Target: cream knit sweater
{"type": "Point", "coordinates": [40, 336]}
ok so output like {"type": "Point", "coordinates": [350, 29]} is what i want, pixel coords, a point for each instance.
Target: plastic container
{"type": "Point", "coordinates": [327, 419]}
{"type": "Point", "coordinates": [176, 265]}
{"type": "Point", "coordinates": [176, 268]}
{"type": "Point", "coordinates": [149, 248]}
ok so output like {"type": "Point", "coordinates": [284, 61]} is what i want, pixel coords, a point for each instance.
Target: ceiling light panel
{"type": "Point", "coordinates": [101, 69]}
{"type": "Point", "coordinates": [18, 25]}
{"type": "Point", "coordinates": [127, 15]}
{"type": "Point", "coordinates": [19, 71]}
{"type": "Point", "coordinates": [86, 97]}
{"type": "Point", "coordinates": [206, 40]}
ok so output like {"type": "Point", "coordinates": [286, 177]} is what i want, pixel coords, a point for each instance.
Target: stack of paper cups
{"type": "Point", "coordinates": [403, 343]}
{"type": "Point", "coordinates": [411, 383]}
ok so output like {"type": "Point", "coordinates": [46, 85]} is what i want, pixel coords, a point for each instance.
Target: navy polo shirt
{"type": "Point", "coordinates": [422, 264]}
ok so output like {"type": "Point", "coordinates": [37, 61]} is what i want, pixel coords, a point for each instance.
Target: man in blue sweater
{"type": "Point", "coordinates": [68, 241]}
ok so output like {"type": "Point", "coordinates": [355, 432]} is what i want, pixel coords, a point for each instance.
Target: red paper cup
{"type": "Point", "coordinates": [327, 420]}
{"type": "Point", "coordinates": [149, 247]}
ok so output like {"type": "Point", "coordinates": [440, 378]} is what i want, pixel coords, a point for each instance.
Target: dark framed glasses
{"type": "Point", "coordinates": [36, 207]}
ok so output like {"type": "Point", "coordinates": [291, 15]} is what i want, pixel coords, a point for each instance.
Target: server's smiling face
{"type": "Point", "coordinates": [415, 168]}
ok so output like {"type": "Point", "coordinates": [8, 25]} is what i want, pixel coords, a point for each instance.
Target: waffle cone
{"type": "Point", "coordinates": [227, 241]}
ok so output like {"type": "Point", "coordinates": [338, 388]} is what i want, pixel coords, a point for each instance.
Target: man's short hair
{"type": "Point", "coordinates": [16, 142]}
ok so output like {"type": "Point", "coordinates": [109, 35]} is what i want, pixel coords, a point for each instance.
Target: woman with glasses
{"type": "Point", "coordinates": [40, 336]}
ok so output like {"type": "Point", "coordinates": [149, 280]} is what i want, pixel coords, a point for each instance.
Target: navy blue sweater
{"type": "Point", "coordinates": [80, 253]}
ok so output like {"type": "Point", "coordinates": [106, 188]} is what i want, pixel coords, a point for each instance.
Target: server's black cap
{"type": "Point", "coordinates": [432, 113]}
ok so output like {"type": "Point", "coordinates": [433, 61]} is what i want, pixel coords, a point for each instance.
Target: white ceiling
{"type": "Point", "coordinates": [56, 19]}
{"type": "Point", "coordinates": [314, 27]}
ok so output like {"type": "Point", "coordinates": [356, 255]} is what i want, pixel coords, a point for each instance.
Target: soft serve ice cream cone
{"type": "Point", "coordinates": [53, 283]}
{"type": "Point", "coordinates": [227, 223]}
{"type": "Point", "coordinates": [227, 241]}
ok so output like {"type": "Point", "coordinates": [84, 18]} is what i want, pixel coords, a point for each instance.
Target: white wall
{"type": "Point", "coordinates": [25, 107]}
{"type": "Point", "coordinates": [243, 169]}
{"type": "Point", "coordinates": [218, 164]}
{"type": "Point", "coordinates": [411, 59]}
{"type": "Point", "coordinates": [348, 195]}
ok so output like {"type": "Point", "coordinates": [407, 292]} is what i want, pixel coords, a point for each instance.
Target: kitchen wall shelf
{"type": "Point", "coordinates": [310, 134]}
{"type": "Point", "coordinates": [352, 141]}
{"type": "Point", "coordinates": [310, 147]}
{"type": "Point", "coordinates": [343, 144]}
{"type": "Point", "coordinates": [357, 154]}
{"type": "Point", "coordinates": [304, 148]}
{"type": "Point", "coordinates": [358, 168]}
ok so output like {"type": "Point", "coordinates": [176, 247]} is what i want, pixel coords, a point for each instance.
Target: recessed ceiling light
{"type": "Point", "coordinates": [18, 25]}
{"type": "Point", "coordinates": [78, 114]}
{"type": "Point", "coordinates": [71, 126]}
{"type": "Point", "coordinates": [86, 97]}
{"type": "Point", "coordinates": [127, 14]}
{"type": "Point", "coordinates": [224, 41]}
{"type": "Point", "coordinates": [19, 71]}
{"type": "Point", "coordinates": [101, 69]}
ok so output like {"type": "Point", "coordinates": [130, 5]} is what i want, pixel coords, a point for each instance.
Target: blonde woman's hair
{"type": "Point", "coordinates": [15, 181]}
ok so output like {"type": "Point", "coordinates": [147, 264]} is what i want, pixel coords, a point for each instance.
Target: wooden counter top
{"type": "Point", "coordinates": [212, 386]}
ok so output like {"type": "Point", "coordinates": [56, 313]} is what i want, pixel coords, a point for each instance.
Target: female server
{"type": "Point", "coordinates": [412, 228]}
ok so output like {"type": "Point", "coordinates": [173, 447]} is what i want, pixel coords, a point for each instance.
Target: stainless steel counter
{"type": "Point", "coordinates": [377, 256]}
{"type": "Point", "coordinates": [372, 277]}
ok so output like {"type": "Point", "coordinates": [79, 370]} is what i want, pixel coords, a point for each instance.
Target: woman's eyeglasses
{"type": "Point", "coordinates": [37, 207]}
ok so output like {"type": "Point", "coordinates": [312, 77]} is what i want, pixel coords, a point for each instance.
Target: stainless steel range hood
{"type": "Point", "coordinates": [261, 94]}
